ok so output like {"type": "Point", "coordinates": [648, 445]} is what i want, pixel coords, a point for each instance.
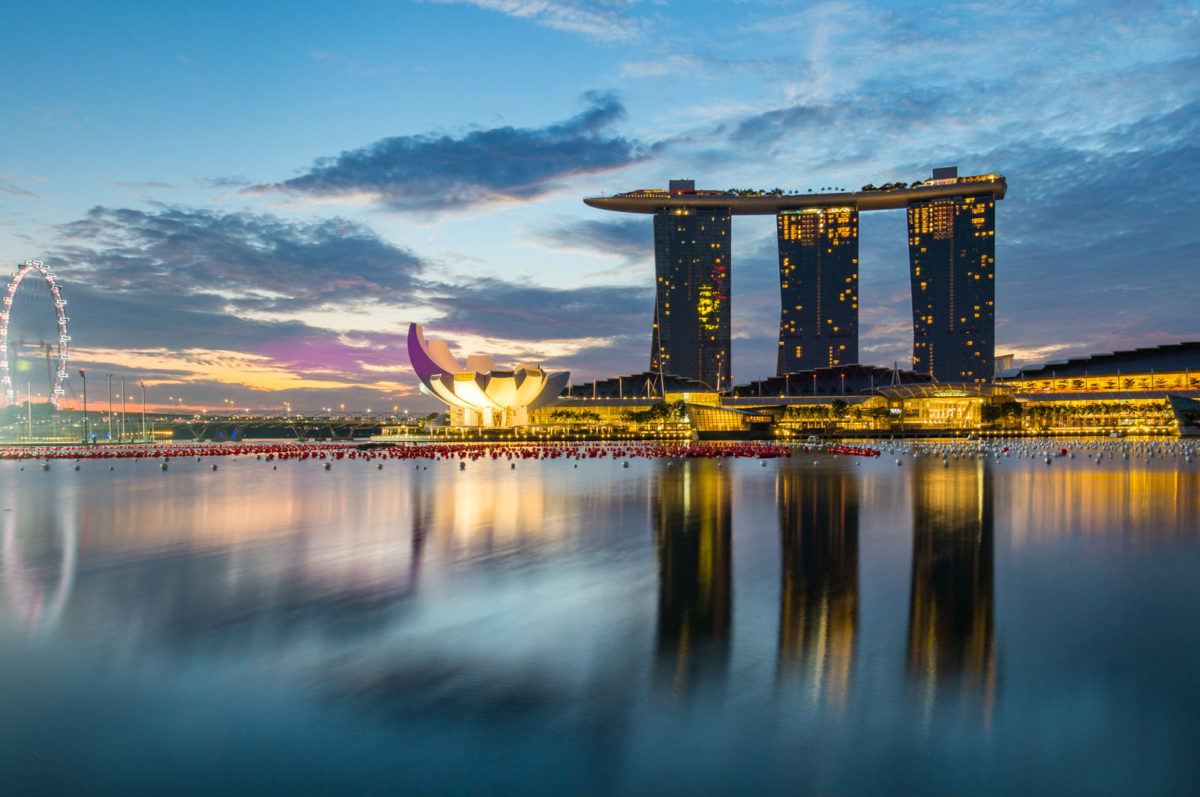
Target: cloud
{"type": "Point", "coordinates": [160, 365]}
{"type": "Point", "coordinates": [15, 190]}
{"type": "Point", "coordinates": [705, 67]}
{"type": "Point", "coordinates": [502, 164]}
{"type": "Point", "coordinates": [532, 313]}
{"type": "Point", "coordinates": [631, 238]}
{"type": "Point", "coordinates": [198, 298]}
{"type": "Point", "coordinates": [149, 184]}
{"type": "Point", "coordinates": [607, 20]}
{"type": "Point", "coordinates": [241, 261]}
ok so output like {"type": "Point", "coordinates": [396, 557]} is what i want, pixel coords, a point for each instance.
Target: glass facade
{"type": "Point", "coordinates": [691, 307]}
{"type": "Point", "coordinates": [952, 257]}
{"type": "Point", "coordinates": [818, 288]}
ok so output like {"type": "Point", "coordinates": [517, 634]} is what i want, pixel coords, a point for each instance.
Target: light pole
{"type": "Point", "coordinates": [83, 376]}
{"type": "Point", "coordinates": [109, 407]}
{"type": "Point", "coordinates": [122, 409]}
{"type": "Point", "coordinates": [142, 385]}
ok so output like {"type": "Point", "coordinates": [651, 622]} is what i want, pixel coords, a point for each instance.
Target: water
{"type": "Point", "coordinates": [816, 625]}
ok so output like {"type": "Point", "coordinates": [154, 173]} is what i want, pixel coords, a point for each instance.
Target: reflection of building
{"type": "Point", "coordinates": [478, 394]}
{"type": "Point", "coordinates": [950, 616]}
{"type": "Point", "coordinates": [691, 304]}
{"type": "Point", "coordinates": [818, 616]}
{"type": "Point", "coordinates": [818, 288]}
{"type": "Point", "coordinates": [952, 259]}
{"type": "Point", "coordinates": [692, 524]}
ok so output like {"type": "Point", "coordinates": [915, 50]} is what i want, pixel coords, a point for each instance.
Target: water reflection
{"type": "Point", "coordinates": [818, 614]}
{"type": "Point", "coordinates": [38, 558]}
{"type": "Point", "coordinates": [692, 512]}
{"type": "Point", "coordinates": [1139, 504]}
{"type": "Point", "coordinates": [950, 620]}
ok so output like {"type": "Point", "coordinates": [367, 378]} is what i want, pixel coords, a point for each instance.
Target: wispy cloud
{"type": "Point", "coordinates": [15, 190]}
{"type": "Point", "coordinates": [630, 238]}
{"type": "Point", "coordinates": [607, 20]}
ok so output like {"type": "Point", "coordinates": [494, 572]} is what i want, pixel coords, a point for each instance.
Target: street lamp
{"type": "Point", "coordinates": [109, 407]}
{"type": "Point", "coordinates": [122, 409]}
{"type": "Point", "coordinates": [83, 376]}
{"type": "Point", "coordinates": [143, 387]}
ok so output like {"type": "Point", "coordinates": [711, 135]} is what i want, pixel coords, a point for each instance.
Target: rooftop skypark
{"type": "Point", "coordinates": [751, 202]}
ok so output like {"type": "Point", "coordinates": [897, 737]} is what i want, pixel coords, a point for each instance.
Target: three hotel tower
{"type": "Point", "coordinates": [952, 255]}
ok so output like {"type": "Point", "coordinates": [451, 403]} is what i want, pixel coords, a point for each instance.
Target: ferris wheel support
{"type": "Point", "coordinates": [56, 387]}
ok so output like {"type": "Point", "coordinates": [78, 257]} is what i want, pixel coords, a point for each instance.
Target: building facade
{"type": "Point", "coordinates": [691, 304]}
{"type": "Point", "coordinates": [952, 259]}
{"type": "Point", "coordinates": [818, 288]}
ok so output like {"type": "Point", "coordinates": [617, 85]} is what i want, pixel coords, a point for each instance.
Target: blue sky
{"type": "Point", "coordinates": [251, 202]}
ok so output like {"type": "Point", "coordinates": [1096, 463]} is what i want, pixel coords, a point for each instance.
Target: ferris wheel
{"type": "Point", "coordinates": [33, 327]}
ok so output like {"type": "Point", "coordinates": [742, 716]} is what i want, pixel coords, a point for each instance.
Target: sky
{"type": "Point", "coordinates": [247, 204]}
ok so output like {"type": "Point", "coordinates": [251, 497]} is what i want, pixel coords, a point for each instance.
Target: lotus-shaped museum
{"type": "Point", "coordinates": [478, 394]}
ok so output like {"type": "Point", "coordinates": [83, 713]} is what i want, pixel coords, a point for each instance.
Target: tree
{"type": "Point", "coordinates": [660, 412]}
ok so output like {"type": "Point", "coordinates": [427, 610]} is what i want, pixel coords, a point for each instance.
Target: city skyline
{"type": "Point", "coordinates": [251, 206]}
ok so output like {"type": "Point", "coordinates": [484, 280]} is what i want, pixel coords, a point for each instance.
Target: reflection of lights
{"type": "Point", "coordinates": [21, 585]}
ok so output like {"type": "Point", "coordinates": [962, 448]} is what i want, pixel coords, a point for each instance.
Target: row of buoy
{"type": "Point", "coordinates": [462, 452]}
{"type": "Point", "coordinates": [326, 453]}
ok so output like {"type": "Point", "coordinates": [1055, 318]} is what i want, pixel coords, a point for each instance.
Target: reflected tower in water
{"type": "Point", "coordinates": [950, 618]}
{"type": "Point", "coordinates": [692, 522]}
{"type": "Point", "coordinates": [818, 614]}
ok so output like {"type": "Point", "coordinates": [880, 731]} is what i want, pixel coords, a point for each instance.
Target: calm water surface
{"type": "Point", "coordinates": [820, 624]}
